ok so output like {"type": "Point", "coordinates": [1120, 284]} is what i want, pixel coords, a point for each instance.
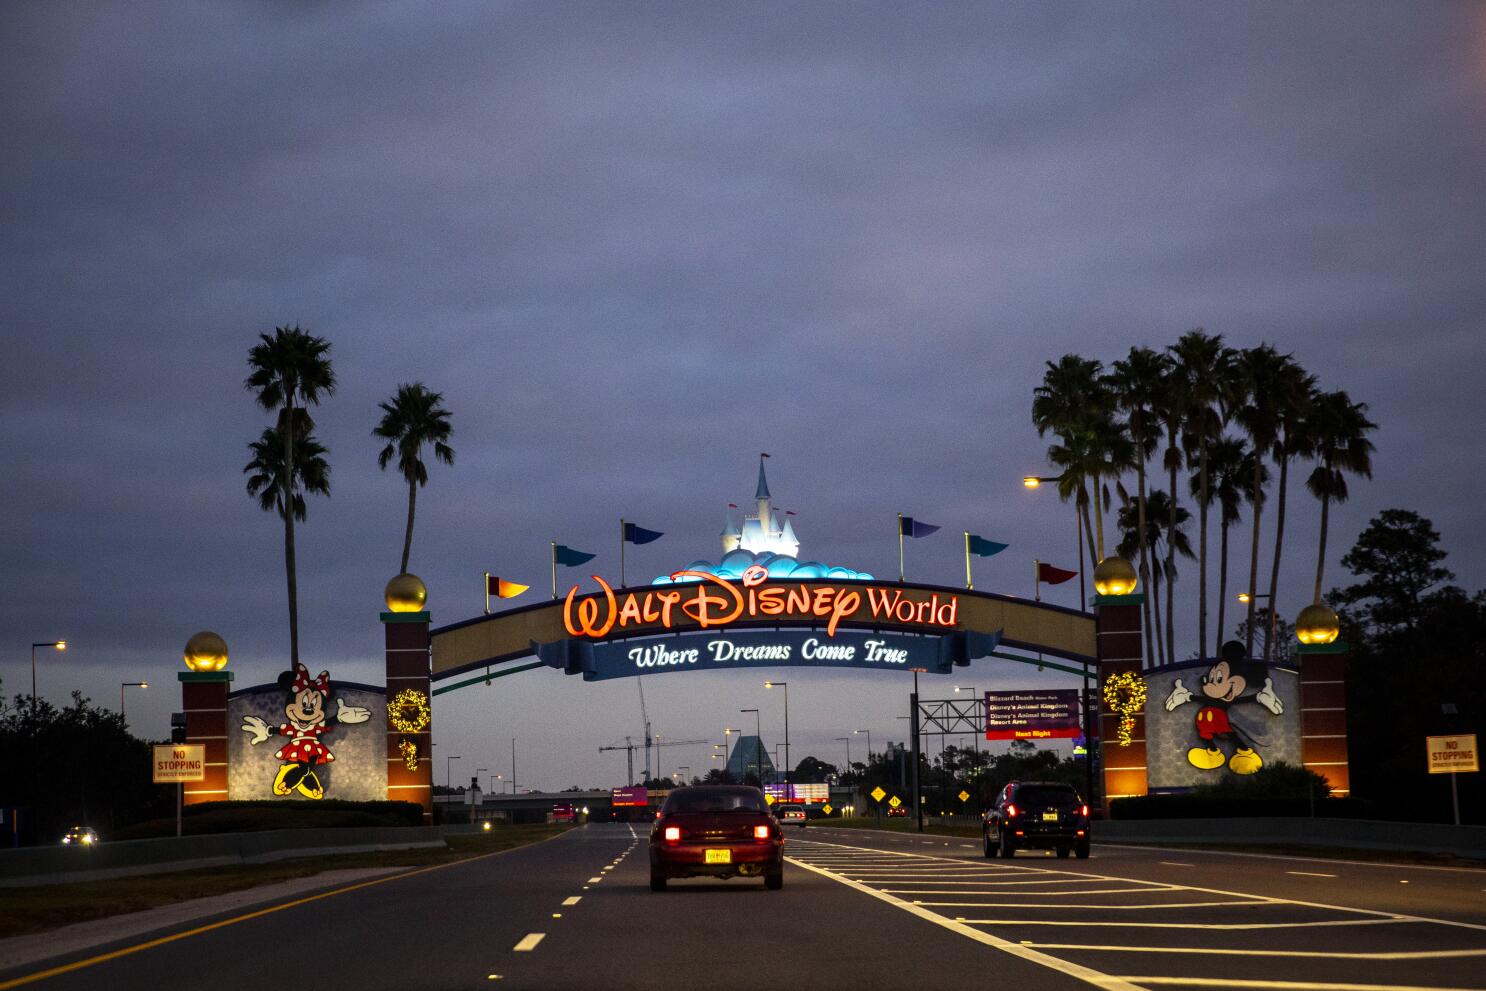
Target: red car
{"type": "Point", "coordinates": [716, 831]}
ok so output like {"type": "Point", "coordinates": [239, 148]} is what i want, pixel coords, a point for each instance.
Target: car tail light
{"type": "Point", "coordinates": [673, 834]}
{"type": "Point", "coordinates": [1083, 811]}
{"type": "Point", "coordinates": [1011, 810]}
{"type": "Point", "coordinates": [760, 832]}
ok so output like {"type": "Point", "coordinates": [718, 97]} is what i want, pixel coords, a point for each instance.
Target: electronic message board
{"type": "Point", "coordinates": [1032, 715]}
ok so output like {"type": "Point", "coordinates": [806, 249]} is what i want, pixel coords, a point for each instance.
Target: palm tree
{"type": "Point", "coordinates": [1136, 383]}
{"type": "Point", "coordinates": [1158, 515]}
{"type": "Point", "coordinates": [1067, 404]}
{"type": "Point", "coordinates": [1230, 484]}
{"type": "Point", "coordinates": [1259, 370]}
{"type": "Point", "coordinates": [268, 480]}
{"type": "Point", "coordinates": [290, 372]}
{"type": "Point", "coordinates": [411, 419]}
{"type": "Point", "coordinates": [1294, 391]}
{"type": "Point", "coordinates": [1338, 430]}
{"type": "Point", "coordinates": [1201, 363]}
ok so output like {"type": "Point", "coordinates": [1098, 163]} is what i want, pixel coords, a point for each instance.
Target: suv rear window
{"type": "Point", "coordinates": [1045, 795]}
{"type": "Point", "coordinates": [714, 800]}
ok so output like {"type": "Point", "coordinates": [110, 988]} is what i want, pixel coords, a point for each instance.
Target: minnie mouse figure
{"type": "Point", "coordinates": [307, 723]}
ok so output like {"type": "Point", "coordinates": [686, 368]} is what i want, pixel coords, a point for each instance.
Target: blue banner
{"type": "Point", "coordinates": [722, 651]}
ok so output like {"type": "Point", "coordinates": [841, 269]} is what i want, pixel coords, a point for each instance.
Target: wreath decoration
{"type": "Point", "coordinates": [408, 711]}
{"type": "Point", "coordinates": [1124, 693]}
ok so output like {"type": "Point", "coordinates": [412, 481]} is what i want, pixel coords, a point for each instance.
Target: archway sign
{"type": "Point", "coordinates": [702, 622]}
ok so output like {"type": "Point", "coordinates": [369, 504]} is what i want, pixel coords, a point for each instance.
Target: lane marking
{"type": "Point", "coordinates": [1309, 954]}
{"type": "Point", "coordinates": [594, 880]}
{"type": "Point", "coordinates": [1173, 863]}
{"type": "Point", "coordinates": [1187, 925]}
{"type": "Point", "coordinates": [529, 942]}
{"type": "Point", "coordinates": [1086, 974]}
{"type": "Point", "coordinates": [1227, 982]}
{"type": "Point", "coordinates": [1308, 874]}
{"type": "Point", "coordinates": [1309, 860]}
{"type": "Point", "coordinates": [572, 900]}
{"type": "Point", "coordinates": [1048, 894]}
{"type": "Point", "coordinates": [1102, 908]}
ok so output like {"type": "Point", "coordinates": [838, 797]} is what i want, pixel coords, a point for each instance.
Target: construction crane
{"type": "Point", "coordinates": [644, 718]}
{"type": "Point", "coordinates": [629, 746]}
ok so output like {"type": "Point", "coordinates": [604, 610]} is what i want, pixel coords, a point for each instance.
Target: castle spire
{"type": "Point", "coordinates": [763, 483]}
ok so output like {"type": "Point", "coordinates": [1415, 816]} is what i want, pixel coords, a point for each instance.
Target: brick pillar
{"type": "Point", "coordinates": [1323, 713]}
{"type": "Point", "coordinates": [204, 702]}
{"type": "Point", "coordinates": [1118, 646]}
{"type": "Point", "coordinates": [408, 668]}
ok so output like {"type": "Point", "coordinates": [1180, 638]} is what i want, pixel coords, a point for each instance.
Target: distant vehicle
{"type": "Point", "coordinates": [564, 813]}
{"type": "Point", "coordinates": [80, 836]}
{"type": "Point", "coordinates": [901, 812]}
{"type": "Point", "coordinates": [716, 831]}
{"type": "Point", "coordinates": [1040, 814]}
{"type": "Point", "coordinates": [791, 815]}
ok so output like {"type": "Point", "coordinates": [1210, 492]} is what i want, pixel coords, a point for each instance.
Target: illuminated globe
{"type": "Point", "coordinates": [406, 593]}
{"type": "Point", "coordinates": [206, 651]}
{"type": "Point", "coordinates": [1114, 576]}
{"type": "Point", "coordinates": [1317, 624]}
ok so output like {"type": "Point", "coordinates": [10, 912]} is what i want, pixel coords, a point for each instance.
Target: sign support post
{"type": "Point", "coordinates": [1453, 755]}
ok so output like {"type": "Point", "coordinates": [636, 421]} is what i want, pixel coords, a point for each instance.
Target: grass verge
{"type": "Point", "coordinates": [32, 910]}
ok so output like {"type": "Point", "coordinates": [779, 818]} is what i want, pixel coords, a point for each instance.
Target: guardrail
{"type": "Point", "coordinates": [31, 866]}
{"type": "Point", "coordinates": [1356, 834]}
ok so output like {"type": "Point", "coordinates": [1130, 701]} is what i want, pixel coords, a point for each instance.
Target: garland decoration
{"type": "Point", "coordinates": [409, 751]}
{"type": "Point", "coordinates": [408, 711]}
{"type": "Point", "coordinates": [1124, 693]}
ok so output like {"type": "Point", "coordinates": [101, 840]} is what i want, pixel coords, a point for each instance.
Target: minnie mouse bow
{"type": "Point", "coordinates": [302, 680]}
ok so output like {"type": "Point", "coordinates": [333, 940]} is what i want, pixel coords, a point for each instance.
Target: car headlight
{"type": "Point", "coordinates": [67, 839]}
{"type": "Point", "coordinates": [87, 838]}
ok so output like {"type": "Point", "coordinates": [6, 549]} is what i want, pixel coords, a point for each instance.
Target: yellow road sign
{"type": "Point", "coordinates": [895, 801]}
{"type": "Point", "coordinates": [878, 794]}
{"type": "Point", "coordinates": [179, 762]}
{"type": "Point", "coordinates": [964, 796]}
{"type": "Point", "coordinates": [1453, 754]}
{"type": "Point", "coordinates": [826, 809]}
{"type": "Point", "coordinates": [769, 799]}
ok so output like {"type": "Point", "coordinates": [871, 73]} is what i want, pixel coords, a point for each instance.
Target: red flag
{"type": "Point", "coordinates": [1049, 575]}
{"type": "Point", "coordinates": [503, 589]}
{"type": "Point", "coordinates": [732, 505]}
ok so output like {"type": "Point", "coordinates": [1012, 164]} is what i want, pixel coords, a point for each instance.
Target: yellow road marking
{"type": "Point", "coordinates": [1309, 954]}
{"type": "Point", "coordinates": [1227, 982]}
{"type": "Point", "coordinates": [529, 942]}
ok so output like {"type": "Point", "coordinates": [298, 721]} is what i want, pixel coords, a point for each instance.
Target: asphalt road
{"type": "Point", "coordinates": [858, 909]}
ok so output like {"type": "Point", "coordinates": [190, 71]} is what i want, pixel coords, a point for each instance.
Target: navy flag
{"type": "Point", "coordinates": [981, 547]}
{"type": "Point", "coordinates": [566, 556]}
{"type": "Point", "coordinates": [910, 527]}
{"type": "Point", "coordinates": [636, 534]}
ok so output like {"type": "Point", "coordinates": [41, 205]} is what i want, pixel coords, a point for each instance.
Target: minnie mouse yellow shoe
{"type": "Point", "coordinates": [309, 786]}
{"type": "Point", "coordinates": [280, 785]}
{"type": "Point", "coordinates": [1245, 761]}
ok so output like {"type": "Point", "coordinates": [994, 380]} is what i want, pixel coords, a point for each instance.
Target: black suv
{"type": "Point", "coordinates": [1043, 814]}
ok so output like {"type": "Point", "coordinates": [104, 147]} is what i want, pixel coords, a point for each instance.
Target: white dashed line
{"type": "Point", "coordinates": [529, 942]}
{"type": "Point", "coordinates": [1308, 874]}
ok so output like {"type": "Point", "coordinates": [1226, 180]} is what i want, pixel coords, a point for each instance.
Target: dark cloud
{"type": "Point", "coordinates": [633, 245]}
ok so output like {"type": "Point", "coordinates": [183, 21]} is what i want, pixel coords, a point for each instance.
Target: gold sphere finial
{"type": "Point", "coordinates": [205, 651]}
{"type": "Point", "coordinates": [1114, 576]}
{"type": "Point", "coordinates": [1317, 624]}
{"type": "Point", "coordinates": [406, 593]}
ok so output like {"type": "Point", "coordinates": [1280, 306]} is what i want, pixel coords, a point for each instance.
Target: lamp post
{"type": "Point", "coordinates": [478, 772]}
{"type": "Point", "coordinates": [1035, 481]}
{"type": "Point", "coordinates": [869, 743]}
{"type": "Point", "coordinates": [449, 772]}
{"type": "Point", "coordinates": [788, 768]}
{"type": "Point", "coordinates": [502, 779]}
{"type": "Point", "coordinates": [758, 745]}
{"type": "Point", "coordinates": [847, 741]}
{"type": "Point", "coordinates": [128, 684]}
{"type": "Point", "coordinates": [59, 645]}
{"type": "Point", "coordinates": [681, 769]}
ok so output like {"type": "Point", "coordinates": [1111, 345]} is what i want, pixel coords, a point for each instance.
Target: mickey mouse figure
{"type": "Point", "coordinates": [1224, 686]}
{"type": "Point", "coordinates": [307, 723]}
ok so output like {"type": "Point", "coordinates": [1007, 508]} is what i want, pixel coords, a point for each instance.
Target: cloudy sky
{"type": "Point", "coordinates": [635, 244]}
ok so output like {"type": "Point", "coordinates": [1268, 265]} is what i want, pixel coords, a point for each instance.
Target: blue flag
{"type": "Point", "coordinates": [570, 558]}
{"type": "Point", "coordinates": [910, 527]}
{"type": "Point", "coordinates": [636, 534]}
{"type": "Point", "coordinates": [981, 547]}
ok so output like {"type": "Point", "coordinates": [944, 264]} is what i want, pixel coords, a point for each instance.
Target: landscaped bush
{"type": "Point", "coordinates": [244, 817]}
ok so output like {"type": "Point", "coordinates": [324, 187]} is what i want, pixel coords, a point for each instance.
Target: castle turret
{"type": "Point", "coordinates": [731, 535]}
{"type": "Point", "coordinates": [762, 495]}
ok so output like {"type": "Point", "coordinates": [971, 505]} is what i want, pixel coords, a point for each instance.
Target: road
{"type": "Point", "coordinates": [858, 909]}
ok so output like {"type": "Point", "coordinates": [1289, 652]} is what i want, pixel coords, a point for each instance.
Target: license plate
{"type": "Point", "coordinates": [719, 856]}
{"type": "Point", "coordinates": [1050, 817]}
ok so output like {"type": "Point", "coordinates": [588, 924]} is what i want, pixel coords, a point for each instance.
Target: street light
{"type": "Point", "coordinates": [869, 743]}
{"type": "Point", "coordinates": [758, 744]}
{"type": "Point", "coordinates": [847, 741]}
{"type": "Point", "coordinates": [681, 769]}
{"type": "Point", "coordinates": [478, 772]}
{"type": "Point", "coordinates": [1034, 481]}
{"type": "Point", "coordinates": [502, 779]}
{"type": "Point", "coordinates": [128, 684]}
{"type": "Point", "coordinates": [1246, 596]}
{"type": "Point", "coordinates": [59, 645]}
{"type": "Point", "coordinates": [449, 772]}
{"type": "Point", "coordinates": [788, 772]}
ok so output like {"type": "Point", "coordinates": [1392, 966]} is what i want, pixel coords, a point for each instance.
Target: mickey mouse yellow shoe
{"type": "Point", "coordinates": [1245, 761]}
{"type": "Point", "coordinates": [1209, 759]}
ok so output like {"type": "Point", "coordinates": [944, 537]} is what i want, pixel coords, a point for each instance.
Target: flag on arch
{"type": "Point", "coordinates": [981, 547]}
{"type": "Point", "coordinates": [636, 534]}
{"type": "Point", "coordinates": [910, 527]}
{"type": "Point", "coordinates": [503, 589]}
{"type": "Point", "coordinates": [568, 557]}
{"type": "Point", "coordinates": [1049, 575]}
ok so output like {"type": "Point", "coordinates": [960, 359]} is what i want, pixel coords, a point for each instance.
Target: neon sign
{"type": "Point", "coordinates": [710, 601]}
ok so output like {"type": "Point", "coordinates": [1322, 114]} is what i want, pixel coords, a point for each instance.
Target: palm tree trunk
{"type": "Point", "coordinates": [1161, 659]}
{"type": "Point", "coordinates": [407, 540]}
{"type": "Point", "coordinates": [1254, 551]}
{"type": "Point", "coordinates": [1202, 546]}
{"type": "Point", "coordinates": [1321, 556]}
{"type": "Point", "coordinates": [1274, 569]}
{"type": "Point", "coordinates": [289, 564]}
{"type": "Point", "coordinates": [1145, 570]}
{"type": "Point", "coordinates": [1222, 590]}
{"type": "Point", "coordinates": [1171, 556]}
{"type": "Point", "coordinates": [1099, 516]}
{"type": "Point", "coordinates": [1083, 504]}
